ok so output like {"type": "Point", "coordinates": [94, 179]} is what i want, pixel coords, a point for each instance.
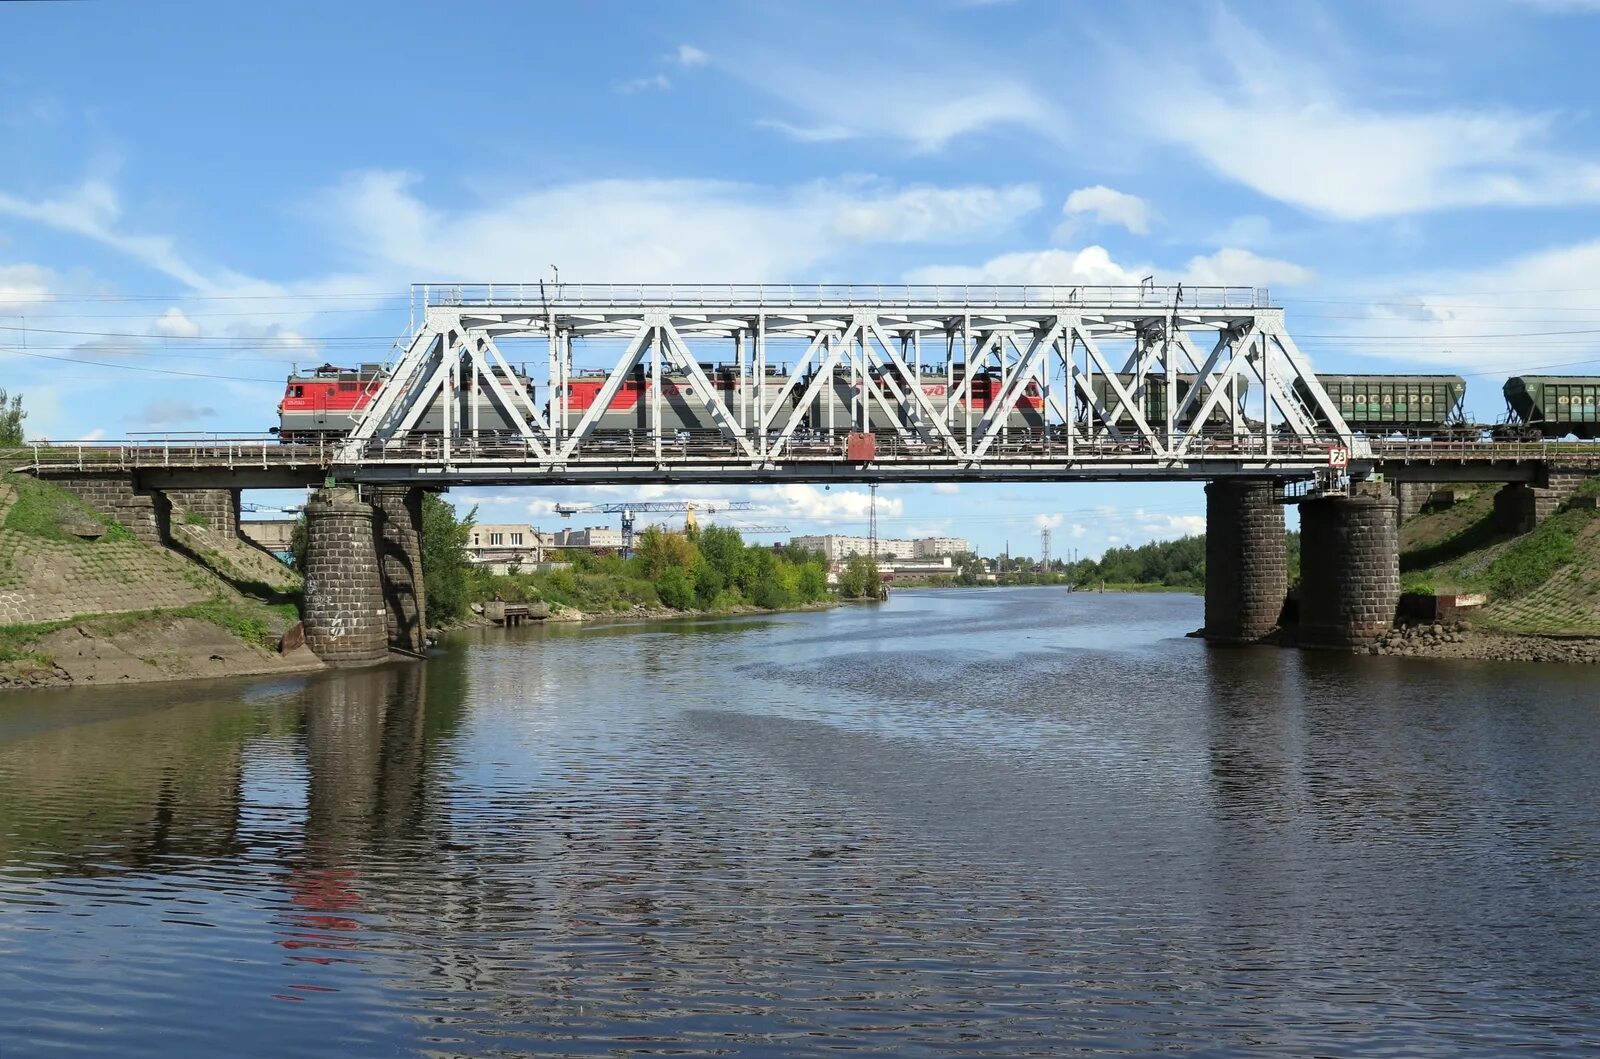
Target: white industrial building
{"type": "Point", "coordinates": [504, 543]}
{"type": "Point", "coordinates": [837, 546]}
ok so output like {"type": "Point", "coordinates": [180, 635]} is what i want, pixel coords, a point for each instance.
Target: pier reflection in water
{"type": "Point", "coordinates": [961, 823]}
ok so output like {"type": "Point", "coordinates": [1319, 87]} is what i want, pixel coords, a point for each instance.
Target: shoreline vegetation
{"type": "Point", "coordinates": [702, 571]}
{"type": "Point", "coordinates": [213, 607]}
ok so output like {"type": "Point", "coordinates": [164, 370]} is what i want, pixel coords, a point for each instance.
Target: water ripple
{"type": "Point", "coordinates": [994, 823]}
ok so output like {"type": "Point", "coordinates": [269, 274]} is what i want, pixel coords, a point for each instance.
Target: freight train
{"type": "Point", "coordinates": [330, 401]}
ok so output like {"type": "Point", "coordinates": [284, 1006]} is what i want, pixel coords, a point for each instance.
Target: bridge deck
{"type": "Point", "coordinates": [258, 461]}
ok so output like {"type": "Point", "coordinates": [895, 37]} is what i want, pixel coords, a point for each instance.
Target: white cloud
{"type": "Point", "coordinates": [167, 412]}
{"type": "Point", "coordinates": [1231, 266]}
{"type": "Point", "coordinates": [1530, 313]}
{"type": "Point", "coordinates": [1094, 266]}
{"type": "Point", "coordinates": [1048, 521]}
{"type": "Point", "coordinates": [930, 214]}
{"type": "Point", "coordinates": [93, 210]}
{"type": "Point", "coordinates": [650, 230]}
{"type": "Point", "coordinates": [822, 505]}
{"type": "Point", "coordinates": [1077, 529]}
{"type": "Point", "coordinates": [1105, 205]}
{"type": "Point", "coordinates": [175, 324]}
{"type": "Point", "coordinates": [946, 488]}
{"type": "Point", "coordinates": [1089, 266]}
{"type": "Point", "coordinates": [809, 133]}
{"type": "Point", "coordinates": [1250, 230]}
{"type": "Point", "coordinates": [1333, 156]}
{"type": "Point", "coordinates": [23, 285]}
{"type": "Point", "coordinates": [926, 105]}
{"type": "Point", "coordinates": [688, 55]}
{"type": "Point", "coordinates": [647, 83]}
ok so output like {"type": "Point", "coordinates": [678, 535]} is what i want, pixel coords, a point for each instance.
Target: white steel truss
{"type": "Point", "coordinates": [768, 382]}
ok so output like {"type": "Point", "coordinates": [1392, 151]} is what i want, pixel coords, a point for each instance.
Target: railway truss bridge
{"type": "Point", "coordinates": [1106, 375]}
{"type": "Point", "coordinates": [836, 383]}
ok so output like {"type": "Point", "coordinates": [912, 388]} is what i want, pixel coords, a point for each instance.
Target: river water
{"type": "Point", "coordinates": [1000, 822]}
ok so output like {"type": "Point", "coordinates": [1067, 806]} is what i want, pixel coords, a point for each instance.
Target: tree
{"type": "Point", "coordinates": [298, 543]}
{"type": "Point", "coordinates": [860, 578]}
{"type": "Point", "coordinates": [446, 569]}
{"type": "Point", "coordinates": [813, 581]}
{"type": "Point", "coordinates": [660, 551]}
{"type": "Point", "coordinates": [11, 417]}
{"type": "Point", "coordinates": [723, 549]}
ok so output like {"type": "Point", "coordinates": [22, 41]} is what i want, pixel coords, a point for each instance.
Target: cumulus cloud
{"type": "Point", "coordinates": [1103, 205]}
{"type": "Point", "coordinates": [174, 323]}
{"type": "Point", "coordinates": [22, 286]}
{"type": "Point", "coordinates": [1232, 266]}
{"type": "Point", "coordinates": [946, 488]}
{"type": "Point", "coordinates": [688, 55]}
{"type": "Point", "coordinates": [1048, 521]}
{"type": "Point", "coordinates": [1087, 267]}
{"type": "Point", "coordinates": [823, 505]}
{"type": "Point", "coordinates": [1094, 266]}
{"type": "Point", "coordinates": [930, 214]}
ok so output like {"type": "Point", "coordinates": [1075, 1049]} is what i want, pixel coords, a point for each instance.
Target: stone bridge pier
{"type": "Point", "coordinates": [363, 580]}
{"type": "Point", "coordinates": [1247, 571]}
{"type": "Point", "coordinates": [1349, 569]}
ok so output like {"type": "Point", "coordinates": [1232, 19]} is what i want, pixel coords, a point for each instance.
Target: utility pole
{"type": "Point", "coordinates": [1044, 548]}
{"type": "Point", "coordinates": [872, 524]}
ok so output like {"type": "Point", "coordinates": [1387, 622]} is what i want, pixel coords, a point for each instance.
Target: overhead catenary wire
{"type": "Point", "coordinates": [15, 351]}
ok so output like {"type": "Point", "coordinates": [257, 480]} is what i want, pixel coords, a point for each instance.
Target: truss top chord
{"type": "Point", "coordinates": [758, 296]}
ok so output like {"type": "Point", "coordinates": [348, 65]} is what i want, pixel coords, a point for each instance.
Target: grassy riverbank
{"type": "Point", "coordinates": [83, 601]}
{"type": "Point", "coordinates": [1543, 582]}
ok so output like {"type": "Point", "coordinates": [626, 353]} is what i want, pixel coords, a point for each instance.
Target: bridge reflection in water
{"type": "Point", "coordinates": [961, 823]}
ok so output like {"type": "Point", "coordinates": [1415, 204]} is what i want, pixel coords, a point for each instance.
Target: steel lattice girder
{"type": "Point", "coordinates": [1140, 356]}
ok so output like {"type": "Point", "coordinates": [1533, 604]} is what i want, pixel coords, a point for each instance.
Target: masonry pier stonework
{"type": "Point", "coordinates": [1247, 570]}
{"type": "Point", "coordinates": [346, 619]}
{"type": "Point", "coordinates": [397, 522]}
{"type": "Point", "coordinates": [1349, 569]}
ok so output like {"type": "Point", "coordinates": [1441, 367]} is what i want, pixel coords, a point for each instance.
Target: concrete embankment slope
{"type": "Point", "coordinates": [83, 601]}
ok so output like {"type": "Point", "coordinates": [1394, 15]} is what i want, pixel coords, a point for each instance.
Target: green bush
{"type": "Point", "coordinates": [676, 588]}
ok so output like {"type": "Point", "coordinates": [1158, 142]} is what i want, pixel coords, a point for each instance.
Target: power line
{"type": "Point", "coordinates": [194, 338]}
{"type": "Point", "coordinates": [134, 367]}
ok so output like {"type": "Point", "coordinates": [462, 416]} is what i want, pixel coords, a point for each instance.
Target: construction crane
{"type": "Point", "coordinates": [628, 510]}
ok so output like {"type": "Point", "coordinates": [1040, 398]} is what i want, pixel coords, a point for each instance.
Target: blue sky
{"type": "Point", "coordinates": [194, 196]}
